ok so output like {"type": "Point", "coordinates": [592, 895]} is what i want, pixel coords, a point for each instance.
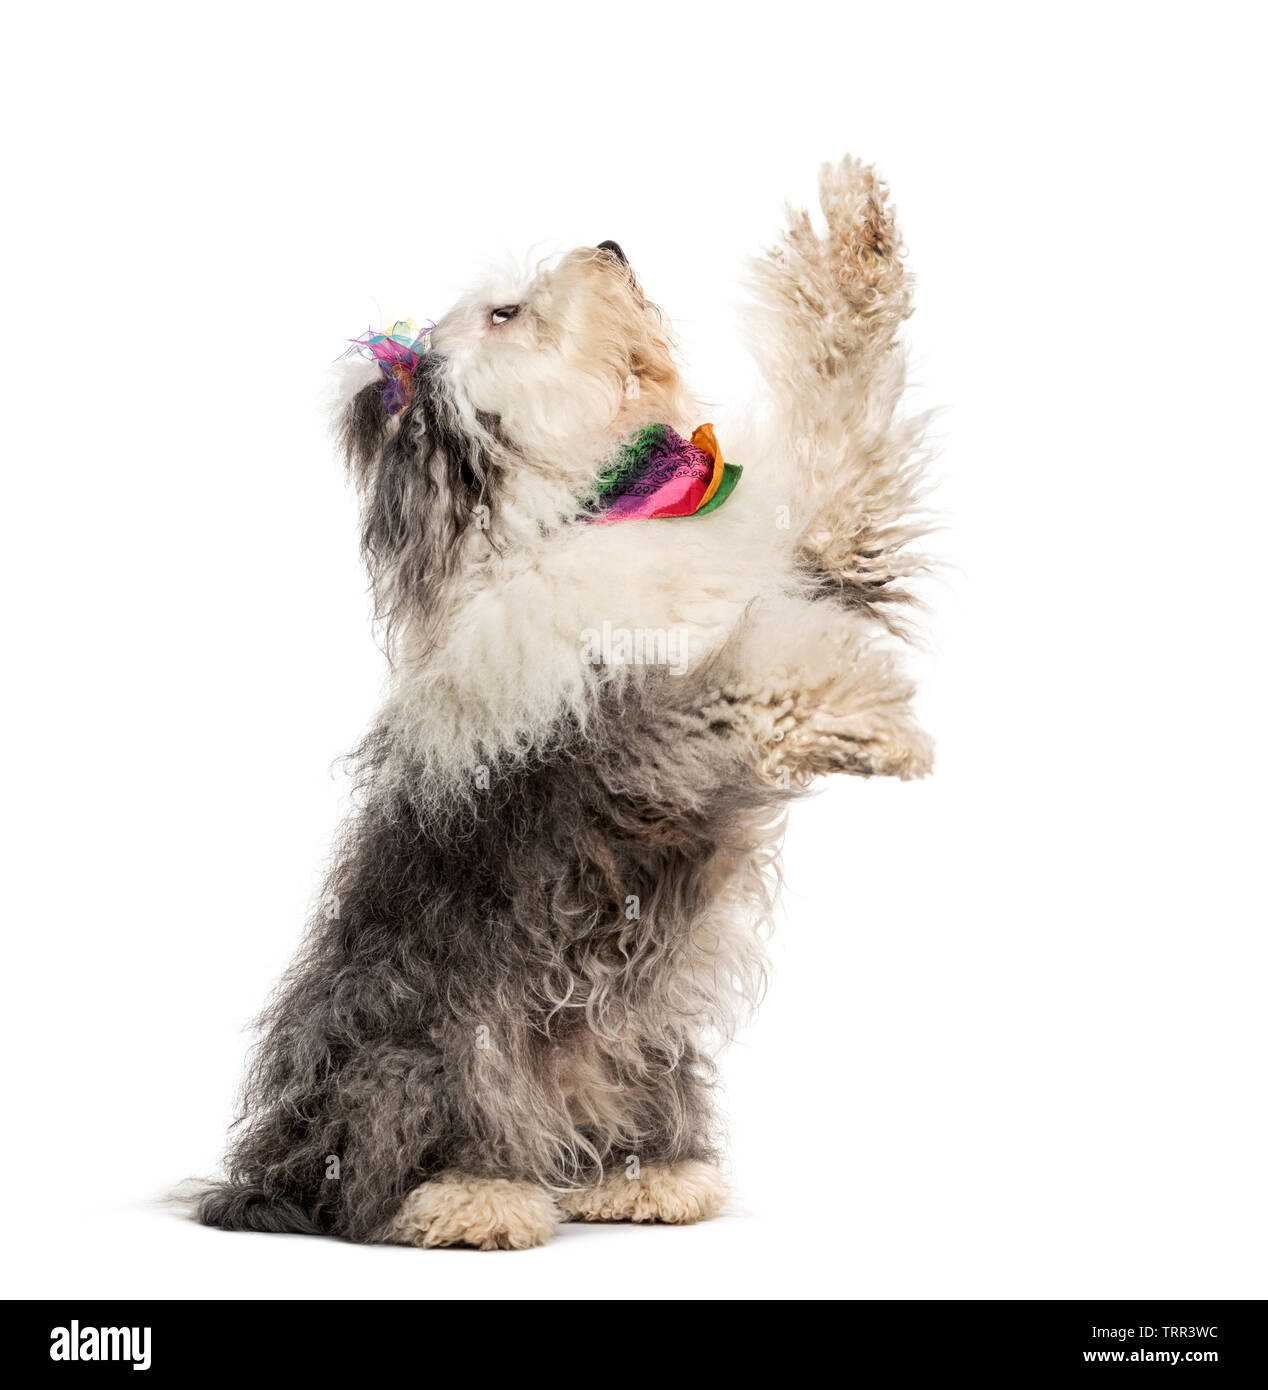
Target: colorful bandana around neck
{"type": "Point", "coordinates": [656, 473]}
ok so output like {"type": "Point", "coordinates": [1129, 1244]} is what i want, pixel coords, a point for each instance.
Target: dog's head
{"type": "Point", "coordinates": [529, 383]}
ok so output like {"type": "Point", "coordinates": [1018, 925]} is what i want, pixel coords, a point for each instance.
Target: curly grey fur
{"type": "Point", "coordinates": [421, 1026]}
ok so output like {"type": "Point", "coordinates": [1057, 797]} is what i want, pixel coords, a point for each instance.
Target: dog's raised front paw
{"type": "Point", "coordinates": [855, 204]}
{"type": "Point", "coordinates": [816, 741]}
{"type": "Point", "coordinates": [486, 1213]}
{"type": "Point", "coordinates": [678, 1194]}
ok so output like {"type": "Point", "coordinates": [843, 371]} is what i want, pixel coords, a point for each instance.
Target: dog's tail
{"type": "Point", "coordinates": [236, 1206]}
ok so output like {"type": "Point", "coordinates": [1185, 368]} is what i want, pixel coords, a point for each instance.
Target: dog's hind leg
{"type": "Point", "coordinates": [487, 1213]}
{"type": "Point", "coordinates": [676, 1194]}
{"type": "Point", "coordinates": [825, 331]}
{"type": "Point", "coordinates": [662, 1170]}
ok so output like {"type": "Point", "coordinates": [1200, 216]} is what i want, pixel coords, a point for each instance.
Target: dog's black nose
{"type": "Point", "coordinates": [614, 249]}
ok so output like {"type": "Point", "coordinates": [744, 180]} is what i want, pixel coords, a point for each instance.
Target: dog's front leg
{"type": "Point", "coordinates": [826, 334]}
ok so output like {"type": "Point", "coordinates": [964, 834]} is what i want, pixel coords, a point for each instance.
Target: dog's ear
{"type": "Point", "coordinates": [363, 428]}
{"type": "Point", "coordinates": [421, 475]}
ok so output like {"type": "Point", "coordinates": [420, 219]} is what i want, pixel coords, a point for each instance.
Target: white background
{"type": "Point", "coordinates": [1014, 1044]}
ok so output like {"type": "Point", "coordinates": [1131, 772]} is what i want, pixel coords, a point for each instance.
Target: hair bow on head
{"type": "Point", "coordinates": [397, 352]}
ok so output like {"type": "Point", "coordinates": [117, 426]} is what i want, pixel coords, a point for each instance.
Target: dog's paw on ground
{"type": "Point", "coordinates": [485, 1213]}
{"type": "Point", "coordinates": [678, 1195]}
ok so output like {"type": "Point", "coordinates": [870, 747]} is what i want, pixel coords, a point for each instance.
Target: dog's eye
{"type": "Point", "coordinates": [507, 311]}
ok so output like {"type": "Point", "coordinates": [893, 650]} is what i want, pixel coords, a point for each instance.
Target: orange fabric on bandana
{"type": "Point", "coordinates": [703, 438]}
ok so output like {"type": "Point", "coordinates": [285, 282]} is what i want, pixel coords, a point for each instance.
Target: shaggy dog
{"type": "Point", "coordinates": [545, 914]}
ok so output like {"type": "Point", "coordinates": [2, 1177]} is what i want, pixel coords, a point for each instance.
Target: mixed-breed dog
{"type": "Point", "coordinates": [545, 915]}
